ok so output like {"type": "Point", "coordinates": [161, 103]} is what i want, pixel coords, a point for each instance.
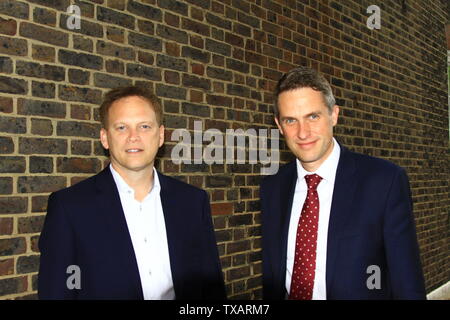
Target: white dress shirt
{"type": "Point", "coordinates": [145, 221]}
{"type": "Point", "coordinates": [327, 171]}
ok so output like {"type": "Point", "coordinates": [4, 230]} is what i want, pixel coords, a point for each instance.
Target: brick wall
{"type": "Point", "coordinates": [218, 62]}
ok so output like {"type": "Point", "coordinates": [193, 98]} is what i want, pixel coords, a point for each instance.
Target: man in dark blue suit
{"type": "Point", "coordinates": [130, 232]}
{"type": "Point", "coordinates": [335, 224]}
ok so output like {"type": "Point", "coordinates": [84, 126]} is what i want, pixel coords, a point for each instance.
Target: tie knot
{"type": "Point", "coordinates": [313, 180]}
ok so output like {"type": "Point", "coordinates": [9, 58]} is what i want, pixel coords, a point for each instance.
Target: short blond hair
{"type": "Point", "coordinates": [122, 92]}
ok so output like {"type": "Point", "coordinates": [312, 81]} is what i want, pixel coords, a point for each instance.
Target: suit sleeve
{"type": "Point", "coordinates": [402, 250]}
{"type": "Point", "coordinates": [57, 253]}
{"type": "Point", "coordinates": [213, 286]}
{"type": "Point", "coordinates": [267, 277]}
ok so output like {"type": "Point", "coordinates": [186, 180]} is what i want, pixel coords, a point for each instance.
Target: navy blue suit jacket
{"type": "Point", "coordinates": [85, 226]}
{"type": "Point", "coordinates": [371, 223]}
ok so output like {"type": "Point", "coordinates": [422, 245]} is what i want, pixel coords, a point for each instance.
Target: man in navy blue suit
{"type": "Point", "coordinates": [335, 224]}
{"type": "Point", "coordinates": [130, 232]}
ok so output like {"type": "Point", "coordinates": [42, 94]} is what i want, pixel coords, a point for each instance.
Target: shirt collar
{"type": "Point", "coordinates": [327, 169]}
{"type": "Point", "coordinates": [123, 187]}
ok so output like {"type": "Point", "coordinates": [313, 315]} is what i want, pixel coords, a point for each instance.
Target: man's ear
{"type": "Point", "coordinates": [104, 138]}
{"type": "Point", "coordinates": [335, 114]}
{"type": "Point", "coordinates": [279, 126]}
{"type": "Point", "coordinates": [161, 135]}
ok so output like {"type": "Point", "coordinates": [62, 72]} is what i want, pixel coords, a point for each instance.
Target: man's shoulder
{"type": "Point", "coordinates": [82, 189]}
{"type": "Point", "coordinates": [286, 170]}
{"type": "Point", "coordinates": [175, 185]}
{"type": "Point", "coordinates": [371, 163]}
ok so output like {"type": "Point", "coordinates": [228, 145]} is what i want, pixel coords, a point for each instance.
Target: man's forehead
{"type": "Point", "coordinates": [303, 107]}
{"type": "Point", "coordinates": [132, 100]}
{"type": "Point", "coordinates": [132, 113]}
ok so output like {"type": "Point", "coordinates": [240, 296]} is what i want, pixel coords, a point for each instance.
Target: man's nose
{"type": "Point", "coordinates": [134, 135]}
{"type": "Point", "coordinates": [303, 130]}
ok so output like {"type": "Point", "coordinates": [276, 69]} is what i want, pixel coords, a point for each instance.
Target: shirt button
{"type": "Point", "coordinates": [145, 240]}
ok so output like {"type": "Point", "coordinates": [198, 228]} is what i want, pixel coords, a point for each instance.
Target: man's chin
{"type": "Point", "coordinates": [307, 160]}
{"type": "Point", "coordinates": [305, 157]}
{"type": "Point", "coordinates": [137, 167]}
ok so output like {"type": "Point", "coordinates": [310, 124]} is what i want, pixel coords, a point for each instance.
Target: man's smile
{"type": "Point", "coordinates": [133, 150]}
{"type": "Point", "coordinates": [306, 145]}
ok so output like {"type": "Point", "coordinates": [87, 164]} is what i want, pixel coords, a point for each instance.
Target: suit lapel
{"type": "Point", "coordinates": [343, 194]}
{"type": "Point", "coordinates": [111, 212]}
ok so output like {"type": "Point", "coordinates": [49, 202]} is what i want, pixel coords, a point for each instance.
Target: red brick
{"type": "Point", "coordinates": [6, 226]}
{"type": "Point", "coordinates": [43, 53]}
{"type": "Point", "coordinates": [6, 104]}
{"type": "Point", "coordinates": [173, 49]}
{"type": "Point", "coordinates": [8, 26]}
{"type": "Point", "coordinates": [198, 68]}
{"type": "Point", "coordinates": [221, 208]}
{"type": "Point", "coordinates": [6, 267]}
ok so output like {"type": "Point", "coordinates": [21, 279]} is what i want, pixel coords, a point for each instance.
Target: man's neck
{"type": "Point", "coordinates": [140, 181]}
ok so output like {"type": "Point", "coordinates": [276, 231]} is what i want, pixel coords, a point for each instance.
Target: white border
{"type": "Point", "coordinates": [441, 293]}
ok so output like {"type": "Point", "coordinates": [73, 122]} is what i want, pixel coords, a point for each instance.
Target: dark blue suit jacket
{"type": "Point", "coordinates": [85, 226]}
{"type": "Point", "coordinates": [371, 223]}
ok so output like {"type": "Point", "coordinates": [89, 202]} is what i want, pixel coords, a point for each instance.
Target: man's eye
{"type": "Point", "coordinates": [120, 128]}
{"type": "Point", "coordinates": [314, 116]}
{"type": "Point", "coordinates": [145, 126]}
{"type": "Point", "coordinates": [289, 121]}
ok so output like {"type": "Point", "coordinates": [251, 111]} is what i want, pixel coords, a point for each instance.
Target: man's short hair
{"type": "Point", "coordinates": [123, 92]}
{"type": "Point", "coordinates": [304, 77]}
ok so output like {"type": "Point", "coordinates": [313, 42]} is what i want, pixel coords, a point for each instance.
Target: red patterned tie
{"type": "Point", "coordinates": [302, 282]}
